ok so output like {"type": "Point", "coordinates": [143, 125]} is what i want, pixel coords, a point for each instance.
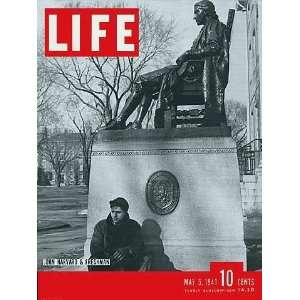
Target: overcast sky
{"type": "Point", "coordinates": [182, 12]}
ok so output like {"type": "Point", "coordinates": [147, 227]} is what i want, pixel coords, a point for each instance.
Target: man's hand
{"type": "Point", "coordinates": [182, 58]}
{"type": "Point", "coordinates": [120, 255]}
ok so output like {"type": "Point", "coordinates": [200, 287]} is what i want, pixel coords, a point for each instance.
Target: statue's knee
{"type": "Point", "coordinates": [138, 85]}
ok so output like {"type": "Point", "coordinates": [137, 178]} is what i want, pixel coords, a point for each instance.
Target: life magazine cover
{"type": "Point", "coordinates": [149, 148]}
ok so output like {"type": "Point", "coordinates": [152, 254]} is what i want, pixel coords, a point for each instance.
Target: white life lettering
{"type": "Point", "coordinates": [97, 33]}
{"type": "Point", "coordinates": [122, 32]}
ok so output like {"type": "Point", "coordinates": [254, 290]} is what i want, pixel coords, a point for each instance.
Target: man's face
{"type": "Point", "coordinates": [199, 15]}
{"type": "Point", "coordinates": [117, 214]}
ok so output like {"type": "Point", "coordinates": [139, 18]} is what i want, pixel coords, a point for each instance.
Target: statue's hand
{"type": "Point", "coordinates": [182, 58]}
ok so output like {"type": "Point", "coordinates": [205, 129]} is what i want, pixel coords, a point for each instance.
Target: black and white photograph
{"type": "Point", "coordinates": [153, 162]}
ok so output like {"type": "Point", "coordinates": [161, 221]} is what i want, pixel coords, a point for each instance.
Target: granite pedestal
{"type": "Point", "coordinates": [206, 224]}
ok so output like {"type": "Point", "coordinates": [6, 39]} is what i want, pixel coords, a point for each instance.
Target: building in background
{"type": "Point", "coordinates": [72, 173]}
{"type": "Point", "coordinates": [254, 70]}
{"type": "Point", "coordinates": [250, 154]}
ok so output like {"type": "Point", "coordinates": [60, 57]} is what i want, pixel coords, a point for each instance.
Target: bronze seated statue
{"type": "Point", "coordinates": [199, 77]}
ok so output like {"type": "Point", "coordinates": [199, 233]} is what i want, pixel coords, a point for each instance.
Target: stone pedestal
{"type": "Point", "coordinates": [206, 224]}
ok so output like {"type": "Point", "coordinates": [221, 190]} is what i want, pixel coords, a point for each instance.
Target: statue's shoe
{"type": "Point", "coordinates": [134, 125]}
{"type": "Point", "coordinates": [115, 125]}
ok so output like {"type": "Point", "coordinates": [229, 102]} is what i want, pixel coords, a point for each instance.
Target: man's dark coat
{"type": "Point", "coordinates": [107, 238]}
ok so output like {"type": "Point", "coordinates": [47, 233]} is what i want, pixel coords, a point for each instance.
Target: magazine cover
{"type": "Point", "coordinates": [149, 149]}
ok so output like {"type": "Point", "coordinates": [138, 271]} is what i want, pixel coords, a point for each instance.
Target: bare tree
{"type": "Point", "coordinates": [87, 133]}
{"type": "Point", "coordinates": [103, 83]}
{"type": "Point", "coordinates": [59, 150]}
{"type": "Point", "coordinates": [44, 83]}
{"type": "Point", "coordinates": [236, 114]}
{"type": "Point", "coordinates": [47, 94]}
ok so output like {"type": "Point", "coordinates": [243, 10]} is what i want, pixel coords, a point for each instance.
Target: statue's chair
{"type": "Point", "coordinates": [189, 91]}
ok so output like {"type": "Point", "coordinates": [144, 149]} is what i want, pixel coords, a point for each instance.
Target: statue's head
{"type": "Point", "coordinates": [203, 10]}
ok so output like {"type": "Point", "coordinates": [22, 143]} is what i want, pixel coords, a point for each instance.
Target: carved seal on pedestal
{"type": "Point", "coordinates": [162, 192]}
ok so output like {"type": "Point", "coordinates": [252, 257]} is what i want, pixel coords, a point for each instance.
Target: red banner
{"type": "Point", "coordinates": [92, 32]}
{"type": "Point", "coordinates": [224, 281]}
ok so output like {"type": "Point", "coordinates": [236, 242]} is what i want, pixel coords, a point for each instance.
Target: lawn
{"type": "Point", "coordinates": [61, 227]}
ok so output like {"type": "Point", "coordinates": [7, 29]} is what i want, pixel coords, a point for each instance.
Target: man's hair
{"type": "Point", "coordinates": [208, 7]}
{"type": "Point", "coordinates": [120, 202]}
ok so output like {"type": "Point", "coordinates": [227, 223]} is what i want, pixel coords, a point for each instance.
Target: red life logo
{"type": "Point", "coordinates": [92, 32]}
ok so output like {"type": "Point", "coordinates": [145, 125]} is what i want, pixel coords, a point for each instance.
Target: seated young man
{"type": "Point", "coordinates": [118, 238]}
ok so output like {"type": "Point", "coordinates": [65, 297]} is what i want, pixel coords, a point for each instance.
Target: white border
{"type": "Point", "coordinates": [281, 116]}
{"type": "Point", "coordinates": [280, 157]}
{"type": "Point", "coordinates": [18, 149]}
